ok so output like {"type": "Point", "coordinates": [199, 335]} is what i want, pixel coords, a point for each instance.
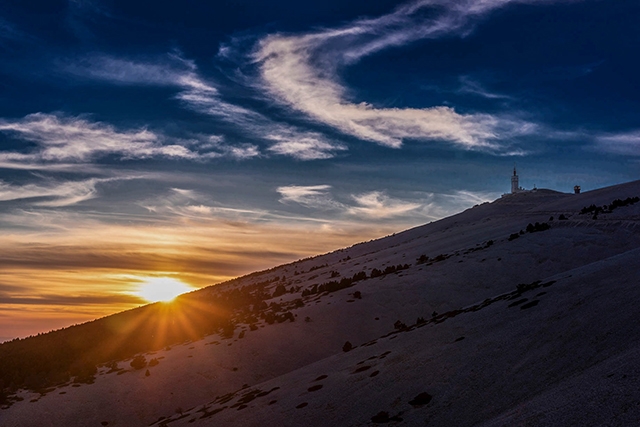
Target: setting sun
{"type": "Point", "coordinates": [162, 289]}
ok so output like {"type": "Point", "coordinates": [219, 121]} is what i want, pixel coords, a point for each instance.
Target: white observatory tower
{"type": "Point", "coordinates": [514, 182]}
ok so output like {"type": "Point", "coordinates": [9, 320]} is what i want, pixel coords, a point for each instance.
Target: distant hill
{"type": "Point", "coordinates": [518, 312]}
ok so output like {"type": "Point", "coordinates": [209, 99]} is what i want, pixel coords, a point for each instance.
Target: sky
{"type": "Point", "coordinates": [198, 141]}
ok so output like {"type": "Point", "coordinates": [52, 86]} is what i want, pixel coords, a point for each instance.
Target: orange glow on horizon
{"type": "Point", "coordinates": [79, 269]}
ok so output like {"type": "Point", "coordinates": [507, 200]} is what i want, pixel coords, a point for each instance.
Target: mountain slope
{"type": "Point", "coordinates": [516, 364]}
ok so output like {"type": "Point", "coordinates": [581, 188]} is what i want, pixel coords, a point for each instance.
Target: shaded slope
{"type": "Point", "coordinates": [579, 344]}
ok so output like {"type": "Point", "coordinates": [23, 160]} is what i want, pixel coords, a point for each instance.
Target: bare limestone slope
{"type": "Point", "coordinates": [468, 325]}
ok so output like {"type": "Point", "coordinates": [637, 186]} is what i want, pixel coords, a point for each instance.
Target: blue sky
{"type": "Point", "coordinates": [202, 140]}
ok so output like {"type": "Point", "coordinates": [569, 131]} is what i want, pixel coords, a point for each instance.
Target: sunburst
{"type": "Point", "coordinates": [165, 289]}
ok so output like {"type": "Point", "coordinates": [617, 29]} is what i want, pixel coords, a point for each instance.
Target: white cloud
{"type": "Point", "coordinates": [304, 147]}
{"type": "Point", "coordinates": [187, 194]}
{"type": "Point", "coordinates": [199, 209]}
{"type": "Point", "coordinates": [203, 97]}
{"type": "Point", "coordinates": [60, 138]}
{"type": "Point", "coordinates": [57, 193]}
{"type": "Point", "coordinates": [626, 143]}
{"type": "Point", "coordinates": [465, 198]}
{"type": "Point", "coordinates": [374, 204]}
{"type": "Point", "coordinates": [301, 71]}
{"type": "Point", "coordinates": [166, 72]}
{"type": "Point", "coordinates": [468, 85]}
{"type": "Point", "coordinates": [311, 196]}
{"type": "Point", "coordinates": [378, 205]}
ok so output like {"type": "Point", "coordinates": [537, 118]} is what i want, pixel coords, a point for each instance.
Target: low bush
{"type": "Point", "coordinates": [138, 362]}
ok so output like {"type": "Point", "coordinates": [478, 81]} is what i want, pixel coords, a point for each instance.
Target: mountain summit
{"type": "Point", "coordinates": [518, 312]}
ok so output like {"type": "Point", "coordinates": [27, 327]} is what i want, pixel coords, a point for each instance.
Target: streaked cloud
{"type": "Point", "coordinates": [377, 204]}
{"type": "Point", "coordinates": [473, 87]}
{"type": "Point", "coordinates": [302, 72]}
{"type": "Point", "coordinates": [625, 143]}
{"type": "Point", "coordinates": [466, 198]}
{"type": "Point", "coordinates": [310, 146]}
{"type": "Point", "coordinates": [54, 193]}
{"type": "Point", "coordinates": [204, 97]}
{"type": "Point", "coordinates": [170, 70]}
{"type": "Point", "coordinates": [374, 204]}
{"type": "Point", "coordinates": [61, 138]}
{"type": "Point", "coordinates": [313, 196]}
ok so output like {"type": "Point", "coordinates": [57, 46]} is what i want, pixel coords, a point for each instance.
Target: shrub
{"type": "Point", "coordinates": [421, 399]}
{"type": "Point", "coordinates": [228, 328]}
{"type": "Point", "coordinates": [533, 228]}
{"type": "Point", "coordinates": [270, 318]}
{"type": "Point", "coordinates": [359, 276]}
{"type": "Point", "coordinates": [422, 259]}
{"type": "Point", "coordinates": [280, 290]}
{"type": "Point", "coordinates": [399, 325]}
{"type": "Point", "coordinates": [138, 362]}
{"type": "Point", "coordinates": [286, 316]}
{"type": "Point", "coordinates": [153, 362]}
{"type": "Point", "coordinates": [347, 347]}
{"type": "Point", "coordinates": [381, 417]}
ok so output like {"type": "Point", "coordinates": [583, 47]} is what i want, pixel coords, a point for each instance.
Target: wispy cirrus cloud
{"type": "Point", "coordinates": [313, 196]}
{"type": "Point", "coordinates": [473, 87]}
{"type": "Point", "coordinates": [626, 143]}
{"type": "Point", "coordinates": [374, 204]}
{"type": "Point", "coordinates": [465, 198]}
{"type": "Point", "coordinates": [54, 193]}
{"type": "Point", "coordinates": [310, 146]}
{"type": "Point", "coordinates": [170, 70]}
{"type": "Point", "coordinates": [377, 204]}
{"type": "Point", "coordinates": [203, 96]}
{"type": "Point", "coordinates": [61, 138]}
{"type": "Point", "coordinates": [302, 72]}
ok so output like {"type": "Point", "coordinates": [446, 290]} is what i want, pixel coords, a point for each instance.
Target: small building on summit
{"type": "Point", "coordinates": [515, 187]}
